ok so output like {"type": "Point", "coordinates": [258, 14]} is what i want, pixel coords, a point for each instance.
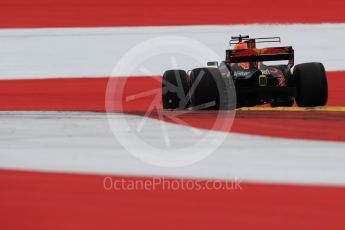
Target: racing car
{"type": "Point", "coordinates": [248, 77]}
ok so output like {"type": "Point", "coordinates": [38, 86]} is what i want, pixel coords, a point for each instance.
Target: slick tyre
{"type": "Point", "coordinates": [175, 89]}
{"type": "Point", "coordinates": [311, 85]}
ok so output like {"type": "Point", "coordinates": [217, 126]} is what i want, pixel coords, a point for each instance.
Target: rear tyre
{"type": "Point", "coordinates": [209, 90]}
{"type": "Point", "coordinates": [174, 89]}
{"type": "Point", "coordinates": [311, 85]}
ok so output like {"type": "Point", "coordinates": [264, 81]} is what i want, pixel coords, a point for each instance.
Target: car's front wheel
{"type": "Point", "coordinates": [175, 89]}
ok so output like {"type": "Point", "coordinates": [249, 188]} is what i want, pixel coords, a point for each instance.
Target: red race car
{"type": "Point", "coordinates": [247, 78]}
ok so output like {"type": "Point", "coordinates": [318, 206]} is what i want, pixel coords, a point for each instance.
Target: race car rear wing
{"type": "Point", "coordinates": [238, 39]}
{"type": "Point", "coordinates": [259, 55]}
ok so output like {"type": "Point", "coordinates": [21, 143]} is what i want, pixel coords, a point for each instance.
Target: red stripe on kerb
{"type": "Point", "coordinates": [95, 13]}
{"type": "Point", "coordinates": [88, 94]}
{"type": "Point", "coordinates": [66, 201]}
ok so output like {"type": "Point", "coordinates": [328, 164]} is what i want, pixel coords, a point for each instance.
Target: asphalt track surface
{"type": "Point", "coordinates": [53, 164]}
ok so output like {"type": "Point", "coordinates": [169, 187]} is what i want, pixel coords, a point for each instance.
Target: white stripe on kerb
{"type": "Point", "coordinates": [93, 52]}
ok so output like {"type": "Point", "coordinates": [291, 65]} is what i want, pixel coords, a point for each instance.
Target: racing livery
{"type": "Point", "coordinates": [247, 77]}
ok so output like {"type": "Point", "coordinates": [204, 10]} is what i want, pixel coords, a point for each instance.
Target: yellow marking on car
{"type": "Point", "coordinates": [321, 108]}
{"type": "Point", "coordinates": [263, 80]}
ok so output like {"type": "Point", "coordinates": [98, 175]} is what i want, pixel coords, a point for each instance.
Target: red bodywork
{"type": "Point", "coordinates": [265, 54]}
